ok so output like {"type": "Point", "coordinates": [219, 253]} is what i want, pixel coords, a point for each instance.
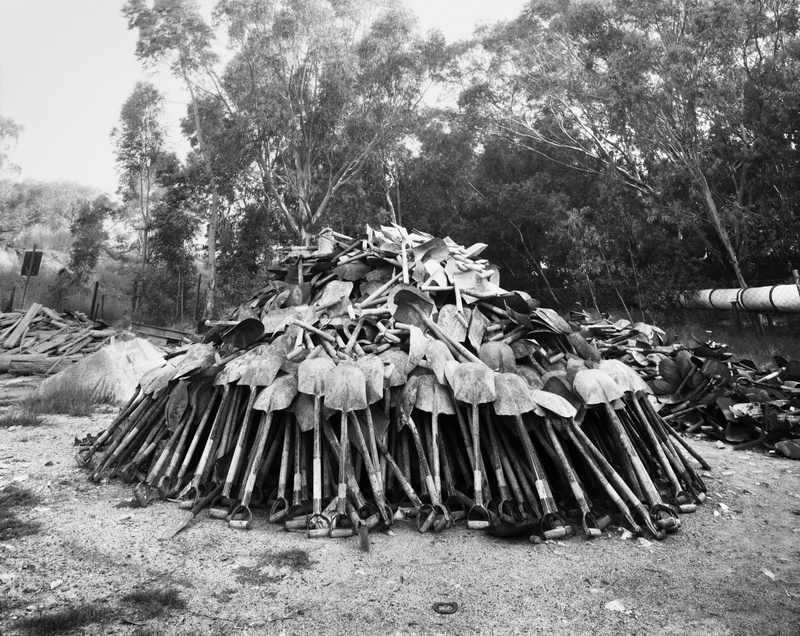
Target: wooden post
{"type": "Point", "coordinates": [28, 278]}
{"type": "Point", "coordinates": [11, 300]}
{"type": "Point", "coordinates": [92, 311]}
{"type": "Point", "coordinates": [103, 307]}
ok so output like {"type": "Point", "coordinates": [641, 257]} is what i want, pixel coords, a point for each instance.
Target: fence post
{"type": "Point", "coordinates": [28, 278]}
{"type": "Point", "coordinates": [93, 310]}
{"type": "Point", "coordinates": [196, 298]}
{"type": "Point", "coordinates": [11, 300]}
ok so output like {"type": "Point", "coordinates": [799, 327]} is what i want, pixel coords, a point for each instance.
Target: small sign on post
{"type": "Point", "coordinates": [30, 267]}
{"type": "Point", "coordinates": [31, 263]}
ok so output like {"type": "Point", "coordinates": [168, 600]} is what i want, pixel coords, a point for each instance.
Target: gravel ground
{"type": "Point", "coordinates": [732, 568]}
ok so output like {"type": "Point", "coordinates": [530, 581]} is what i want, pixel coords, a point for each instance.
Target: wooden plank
{"type": "Point", "coordinates": [161, 332]}
{"type": "Point", "coordinates": [22, 326]}
{"type": "Point", "coordinates": [29, 365]}
{"type": "Point", "coordinates": [51, 344]}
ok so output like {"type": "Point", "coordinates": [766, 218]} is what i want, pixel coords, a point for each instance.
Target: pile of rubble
{"type": "Point", "coordinates": [44, 341]}
{"type": "Point", "coordinates": [393, 377]}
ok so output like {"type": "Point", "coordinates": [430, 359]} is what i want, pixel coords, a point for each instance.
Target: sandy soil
{"type": "Point", "coordinates": [733, 568]}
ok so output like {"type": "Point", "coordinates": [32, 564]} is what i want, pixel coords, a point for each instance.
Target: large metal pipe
{"type": "Point", "coordinates": [779, 298]}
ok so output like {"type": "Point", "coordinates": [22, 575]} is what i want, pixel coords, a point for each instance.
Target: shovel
{"type": "Point", "coordinates": [408, 399]}
{"type": "Point", "coordinates": [595, 387]}
{"type": "Point", "coordinates": [260, 372]}
{"type": "Point", "coordinates": [277, 396]}
{"type": "Point", "coordinates": [513, 398]}
{"type": "Point", "coordinates": [372, 368]}
{"type": "Point", "coordinates": [412, 307]}
{"type": "Point", "coordinates": [633, 385]}
{"type": "Point", "coordinates": [434, 398]}
{"type": "Point", "coordinates": [598, 465]}
{"type": "Point", "coordinates": [311, 380]}
{"type": "Point", "coordinates": [473, 383]}
{"type": "Point", "coordinates": [345, 391]}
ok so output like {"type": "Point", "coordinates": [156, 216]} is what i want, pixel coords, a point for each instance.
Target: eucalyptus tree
{"type": "Point", "coordinates": [658, 92]}
{"type": "Point", "coordinates": [175, 34]}
{"type": "Point", "coordinates": [322, 86]}
{"type": "Point", "coordinates": [140, 145]}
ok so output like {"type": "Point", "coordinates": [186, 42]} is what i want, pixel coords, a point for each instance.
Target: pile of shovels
{"type": "Point", "coordinates": [700, 387]}
{"type": "Point", "coordinates": [393, 378]}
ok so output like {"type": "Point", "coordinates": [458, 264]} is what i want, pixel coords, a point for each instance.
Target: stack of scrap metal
{"type": "Point", "coordinates": [41, 340]}
{"type": "Point", "coordinates": [700, 387]}
{"type": "Point", "coordinates": [393, 377]}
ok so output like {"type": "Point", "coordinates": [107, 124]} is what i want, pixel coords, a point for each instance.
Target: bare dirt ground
{"type": "Point", "coordinates": [733, 567]}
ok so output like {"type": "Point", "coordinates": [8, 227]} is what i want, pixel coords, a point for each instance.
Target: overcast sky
{"type": "Point", "coordinates": [66, 67]}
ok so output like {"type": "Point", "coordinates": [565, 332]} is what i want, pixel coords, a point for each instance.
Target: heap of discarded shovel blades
{"type": "Point", "coordinates": [392, 377]}
{"type": "Point", "coordinates": [700, 387]}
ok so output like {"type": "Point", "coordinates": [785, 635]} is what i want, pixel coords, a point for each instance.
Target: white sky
{"type": "Point", "coordinates": [67, 66]}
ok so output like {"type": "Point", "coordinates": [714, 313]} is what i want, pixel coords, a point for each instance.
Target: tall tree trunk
{"type": "Point", "coordinates": [722, 232]}
{"type": "Point", "coordinates": [213, 219]}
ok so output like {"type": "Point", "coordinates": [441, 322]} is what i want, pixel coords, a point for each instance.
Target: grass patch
{"type": "Point", "coordinates": [154, 603]}
{"type": "Point", "coordinates": [12, 500]}
{"type": "Point", "coordinates": [20, 418]}
{"type": "Point", "coordinates": [68, 399]}
{"type": "Point", "coordinates": [269, 568]}
{"type": "Point", "coordinates": [61, 621]}
{"type": "Point", "coordinates": [294, 559]}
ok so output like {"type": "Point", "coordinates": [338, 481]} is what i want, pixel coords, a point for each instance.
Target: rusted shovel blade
{"type": "Point", "coordinates": [435, 249]}
{"type": "Point", "coordinates": [448, 321]}
{"type": "Point", "coordinates": [498, 356]}
{"type": "Point", "coordinates": [477, 328]}
{"type": "Point", "coordinates": [399, 361]}
{"type": "Point", "coordinates": [262, 371]}
{"type": "Point", "coordinates": [177, 402]}
{"type": "Point", "coordinates": [244, 334]}
{"type": "Point", "coordinates": [303, 409]}
{"type": "Point", "coordinates": [473, 383]}
{"type": "Point", "coordinates": [154, 381]}
{"type": "Point", "coordinates": [311, 375]}
{"type": "Point", "coordinates": [408, 398]}
{"type": "Point", "coordinates": [595, 387]}
{"type": "Point", "coordinates": [335, 298]}
{"type": "Point", "coordinates": [372, 368]}
{"type": "Point", "coordinates": [553, 403]}
{"type": "Point", "coordinates": [417, 345]}
{"type": "Point", "coordinates": [197, 356]}
{"type": "Point", "coordinates": [627, 379]}
{"type": "Point", "coordinates": [346, 389]}
{"type": "Point", "coordinates": [559, 385]}
{"type": "Point", "coordinates": [552, 320]}
{"type": "Point", "coordinates": [433, 396]}
{"type": "Point", "coordinates": [530, 375]}
{"type": "Point", "coordinates": [278, 395]}
{"type": "Point", "coordinates": [438, 355]}
{"type": "Point", "coordinates": [410, 306]}
{"type": "Point", "coordinates": [512, 395]}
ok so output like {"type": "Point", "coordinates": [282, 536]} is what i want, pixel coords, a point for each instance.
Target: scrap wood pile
{"type": "Point", "coordinates": [702, 388]}
{"type": "Point", "coordinates": [390, 378]}
{"type": "Point", "coordinates": [41, 340]}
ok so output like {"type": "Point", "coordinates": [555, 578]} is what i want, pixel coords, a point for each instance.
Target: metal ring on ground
{"type": "Point", "coordinates": [445, 607]}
